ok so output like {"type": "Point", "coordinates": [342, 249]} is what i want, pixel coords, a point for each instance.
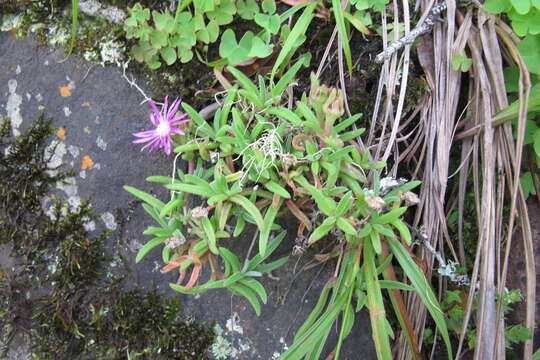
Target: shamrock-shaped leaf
{"type": "Point", "coordinates": [183, 18]}
{"type": "Point", "coordinates": [525, 24]}
{"type": "Point", "coordinates": [202, 6]}
{"type": "Point", "coordinates": [360, 4]}
{"type": "Point", "coordinates": [522, 6]}
{"type": "Point", "coordinates": [247, 9]}
{"type": "Point", "coordinates": [213, 30]}
{"type": "Point", "coordinates": [259, 48]}
{"type": "Point", "coordinates": [460, 62]}
{"type": "Point", "coordinates": [223, 14]}
{"type": "Point", "coordinates": [269, 22]}
{"type": "Point", "coordinates": [269, 6]}
{"type": "Point", "coordinates": [497, 6]}
{"type": "Point", "coordinates": [198, 22]}
{"type": "Point", "coordinates": [203, 36]}
{"type": "Point", "coordinates": [528, 49]}
{"type": "Point", "coordinates": [235, 52]}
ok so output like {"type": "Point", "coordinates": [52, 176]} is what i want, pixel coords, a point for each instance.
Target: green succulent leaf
{"type": "Point", "coordinates": [149, 246]}
{"type": "Point", "coordinates": [146, 197]}
{"type": "Point", "coordinates": [210, 235]}
{"type": "Point", "coordinates": [277, 189]}
{"type": "Point", "coordinates": [346, 226]}
{"type": "Point", "coordinates": [323, 229]}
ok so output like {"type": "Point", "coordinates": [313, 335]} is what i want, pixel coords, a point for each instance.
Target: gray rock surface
{"type": "Point", "coordinates": [98, 118]}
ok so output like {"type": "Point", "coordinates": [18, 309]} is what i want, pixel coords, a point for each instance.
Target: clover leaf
{"type": "Point", "coordinates": [461, 62]}
{"type": "Point", "coordinates": [269, 22]}
{"type": "Point", "coordinates": [223, 14]}
{"type": "Point", "coordinates": [235, 52]}
{"type": "Point", "coordinates": [497, 6]}
{"type": "Point", "coordinates": [259, 48]}
{"type": "Point", "coordinates": [269, 6]}
{"type": "Point", "coordinates": [522, 6]}
{"type": "Point", "coordinates": [203, 6]}
{"type": "Point", "coordinates": [525, 24]}
{"type": "Point", "coordinates": [247, 9]}
{"type": "Point", "coordinates": [529, 50]}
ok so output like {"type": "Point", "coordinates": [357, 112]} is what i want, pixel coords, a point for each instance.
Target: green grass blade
{"type": "Point", "coordinates": [342, 31]}
{"type": "Point", "coordinates": [149, 246]}
{"type": "Point", "coordinates": [246, 292]}
{"type": "Point", "coordinates": [269, 218]}
{"type": "Point", "coordinates": [376, 306]}
{"type": "Point", "coordinates": [74, 25]}
{"type": "Point", "coordinates": [250, 208]}
{"type": "Point", "coordinates": [292, 40]}
{"type": "Point", "coordinates": [210, 235]}
{"type": "Point", "coordinates": [146, 197]}
{"type": "Point", "coordinates": [419, 282]}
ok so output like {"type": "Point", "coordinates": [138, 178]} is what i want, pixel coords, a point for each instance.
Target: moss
{"type": "Point", "coordinates": [60, 293]}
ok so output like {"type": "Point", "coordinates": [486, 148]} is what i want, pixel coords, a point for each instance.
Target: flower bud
{"type": "Point", "coordinates": [375, 202]}
{"type": "Point", "coordinates": [174, 241]}
{"type": "Point", "coordinates": [199, 212]}
{"type": "Point", "coordinates": [333, 107]}
{"type": "Point", "coordinates": [410, 198]}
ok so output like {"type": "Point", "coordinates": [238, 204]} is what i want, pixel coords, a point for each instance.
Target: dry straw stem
{"type": "Point", "coordinates": [491, 156]}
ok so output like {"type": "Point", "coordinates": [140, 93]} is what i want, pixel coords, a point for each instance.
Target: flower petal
{"type": "Point", "coordinates": [143, 140]}
{"type": "Point", "coordinates": [165, 106]}
{"type": "Point", "coordinates": [150, 144]}
{"type": "Point", "coordinates": [177, 131]}
{"type": "Point", "coordinates": [153, 105]}
{"type": "Point", "coordinates": [154, 118]}
{"type": "Point", "coordinates": [173, 109]}
{"type": "Point", "coordinates": [145, 133]}
{"type": "Point", "coordinates": [179, 122]}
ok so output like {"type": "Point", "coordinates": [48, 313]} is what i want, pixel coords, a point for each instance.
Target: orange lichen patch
{"type": "Point", "coordinates": [86, 130]}
{"type": "Point", "coordinates": [87, 162]}
{"type": "Point", "coordinates": [65, 91]}
{"type": "Point", "coordinates": [61, 133]}
{"type": "Point", "coordinates": [86, 104]}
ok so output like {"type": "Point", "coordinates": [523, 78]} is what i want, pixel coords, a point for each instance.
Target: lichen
{"type": "Point", "coordinates": [64, 293]}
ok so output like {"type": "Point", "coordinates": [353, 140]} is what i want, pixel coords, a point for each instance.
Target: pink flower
{"type": "Point", "coordinates": [165, 123]}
